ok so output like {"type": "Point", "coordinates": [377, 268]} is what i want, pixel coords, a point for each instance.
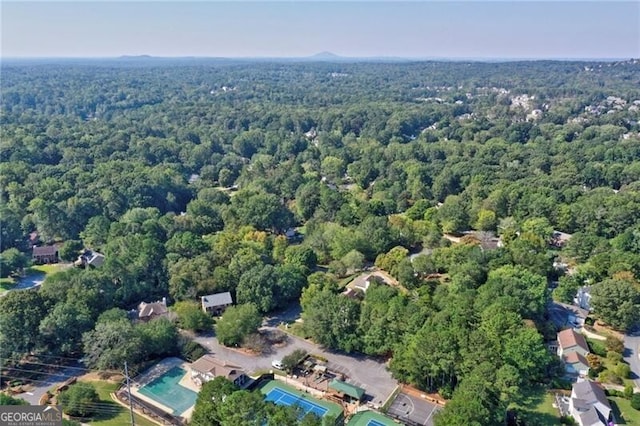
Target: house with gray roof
{"type": "Point", "coordinates": [216, 304]}
{"type": "Point", "coordinates": [589, 406]}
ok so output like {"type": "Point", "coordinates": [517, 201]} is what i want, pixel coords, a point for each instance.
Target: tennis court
{"type": "Point", "coordinates": [166, 390]}
{"type": "Point", "coordinates": [370, 418]}
{"type": "Point", "coordinates": [283, 394]}
{"type": "Point", "coordinates": [282, 397]}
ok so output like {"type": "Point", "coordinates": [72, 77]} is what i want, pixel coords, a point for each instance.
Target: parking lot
{"type": "Point", "coordinates": [413, 410]}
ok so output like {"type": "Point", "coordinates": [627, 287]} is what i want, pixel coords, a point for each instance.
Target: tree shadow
{"type": "Point", "coordinates": [617, 414]}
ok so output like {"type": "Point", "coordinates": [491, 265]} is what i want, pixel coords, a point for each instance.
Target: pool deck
{"type": "Point", "coordinates": [332, 408]}
{"type": "Point", "coordinates": [158, 370]}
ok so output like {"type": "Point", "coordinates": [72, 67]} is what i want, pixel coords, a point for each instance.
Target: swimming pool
{"type": "Point", "coordinates": [166, 390]}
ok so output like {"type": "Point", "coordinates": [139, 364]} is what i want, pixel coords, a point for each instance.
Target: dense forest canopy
{"type": "Point", "coordinates": [187, 175]}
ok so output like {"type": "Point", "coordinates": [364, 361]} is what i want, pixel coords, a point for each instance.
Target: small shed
{"type": "Point", "coordinates": [352, 392]}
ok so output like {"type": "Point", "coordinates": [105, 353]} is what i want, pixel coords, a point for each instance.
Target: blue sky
{"type": "Point", "coordinates": [417, 29]}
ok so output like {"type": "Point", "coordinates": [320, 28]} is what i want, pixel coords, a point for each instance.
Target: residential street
{"type": "Point", "coordinates": [33, 397]}
{"type": "Point", "coordinates": [362, 371]}
{"type": "Point", "coordinates": [631, 352]}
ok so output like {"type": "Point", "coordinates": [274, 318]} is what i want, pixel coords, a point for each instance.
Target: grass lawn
{"type": "Point", "coordinates": [6, 283]}
{"type": "Point", "coordinates": [624, 413]}
{"type": "Point", "coordinates": [120, 415]}
{"type": "Point", "coordinates": [346, 280]}
{"type": "Point", "coordinates": [296, 329]}
{"type": "Point", "coordinates": [537, 408]}
{"type": "Point", "coordinates": [47, 268]}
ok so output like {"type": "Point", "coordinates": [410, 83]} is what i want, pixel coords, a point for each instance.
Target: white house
{"type": "Point", "coordinates": [589, 406]}
{"type": "Point", "coordinates": [583, 298]}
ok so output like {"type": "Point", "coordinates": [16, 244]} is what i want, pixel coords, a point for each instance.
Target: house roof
{"type": "Point", "coordinates": [347, 388]}
{"type": "Point", "coordinates": [45, 251]}
{"type": "Point", "coordinates": [207, 364]}
{"type": "Point", "coordinates": [575, 358]}
{"type": "Point", "coordinates": [217, 299]}
{"type": "Point", "coordinates": [590, 391]}
{"type": "Point", "coordinates": [569, 338]}
{"type": "Point", "coordinates": [95, 259]}
{"type": "Point", "coordinates": [589, 396]}
{"type": "Point", "coordinates": [149, 309]}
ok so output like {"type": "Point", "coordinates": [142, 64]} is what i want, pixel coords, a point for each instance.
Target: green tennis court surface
{"type": "Point", "coordinates": [166, 390]}
{"type": "Point", "coordinates": [370, 418]}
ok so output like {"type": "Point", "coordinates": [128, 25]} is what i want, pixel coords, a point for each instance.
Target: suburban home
{"type": "Point", "coordinates": [45, 254]}
{"type": "Point", "coordinates": [588, 405]}
{"type": "Point", "coordinates": [559, 239]}
{"type": "Point", "coordinates": [149, 311]}
{"type": "Point", "coordinates": [207, 368]}
{"type": "Point", "coordinates": [575, 363]}
{"type": "Point", "coordinates": [90, 258]}
{"type": "Point", "coordinates": [583, 298]}
{"type": "Point", "coordinates": [573, 349]}
{"type": "Point", "coordinates": [569, 341]}
{"type": "Point", "coordinates": [216, 304]}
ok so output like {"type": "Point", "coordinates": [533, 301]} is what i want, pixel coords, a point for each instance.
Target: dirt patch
{"type": "Point", "coordinates": [604, 329]}
{"type": "Point", "coordinates": [109, 377]}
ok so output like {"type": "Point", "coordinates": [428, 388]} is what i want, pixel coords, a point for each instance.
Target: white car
{"type": "Point", "coordinates": [276, 363]}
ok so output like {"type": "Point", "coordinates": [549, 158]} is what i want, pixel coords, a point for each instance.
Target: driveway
{"type": "Point", "coordinates": [42, 386]}
{"type": "Point", "coordinates": [632, 353]}
{"type": "Point", "coordinates": [368, 373]}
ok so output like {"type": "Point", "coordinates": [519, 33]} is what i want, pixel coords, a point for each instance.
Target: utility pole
{"type": "Point", "coordinates": [126, 373]}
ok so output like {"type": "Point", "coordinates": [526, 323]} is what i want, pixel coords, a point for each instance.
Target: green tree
{"type": "Point", "coordinates": [20, 315]}
{"type": "Point", "coordinates": [12, 261]}
{"type": "Point", "coordinates": [70, 250]}
{"type": "Point", "coordinates": [113, 314]}
{"type": "Point", "coordinates": [236, 323]}
{"type": "Point", "coordinates": [257, 286]}
{"type": "Point", "coordinates": [192, 317]}
{"type": "Point", "coordinates": [212, 394]}
{"type": "Point", "coordinates": [617, 302]}
{"type": "Point", "coordinates": [159, 337]}
{"type": "Point", "coordinates": [96, 232]}
{"type": "Point", "coordinates": [517, 289]}
{"type": "Point", "coordinates": [301, 255]}
{"type": "Point", "coordinates": [453, 215]}
{"type": "Point", "coordinates": [290, 361]}
{"type": "Point", "coordinates": [474, 402]}
{"type": "Point", "coordinates": [80, 400]}
{"type": "Point", "coordinates": [486, 221]}
{"type": "Point", "coordinates": [110, 344]}
{"type": "Point", "coordinates": [61, 330]}
{"type": "Point", "coordinates": [635, 401]}
{"type": "Point", "coordinates": [9, 400]}
{"type": "Point", "coordinates": [243, 408]}
{"type": "Point", "coordinates": [354, 261]}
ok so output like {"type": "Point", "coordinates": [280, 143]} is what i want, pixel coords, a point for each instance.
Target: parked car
{"type": "Point", "coordinates": [276, 363]}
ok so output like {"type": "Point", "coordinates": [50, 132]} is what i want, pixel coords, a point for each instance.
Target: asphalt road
{"type": "Point", "coordinates": [43, 385]}
{"type": "Point", "coordinates": [632, 353]}
{"type": "Point", "coordinates": [370, 374]}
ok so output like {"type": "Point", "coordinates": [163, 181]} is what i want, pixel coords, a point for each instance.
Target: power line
{"type": "Point", "coordinates": [93, 370]}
